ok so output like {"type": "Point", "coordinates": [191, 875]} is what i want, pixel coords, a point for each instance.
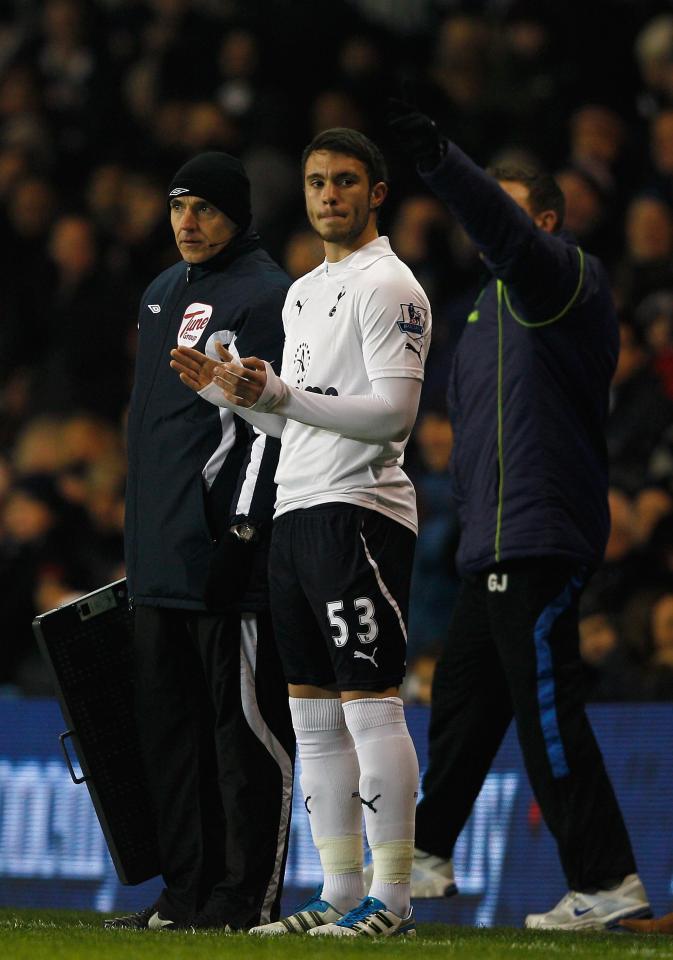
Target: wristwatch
{"type": "Point", "coordinates": [245, 532]}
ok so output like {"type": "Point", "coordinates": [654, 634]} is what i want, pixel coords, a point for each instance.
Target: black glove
{"type": "Point", "coordinates": [416, 133]}
{"type": "Point", "coordinates": [229, 573]}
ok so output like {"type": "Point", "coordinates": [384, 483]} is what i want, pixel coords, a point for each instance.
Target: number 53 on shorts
{"type": "Point", "coordinates": [364, 609]}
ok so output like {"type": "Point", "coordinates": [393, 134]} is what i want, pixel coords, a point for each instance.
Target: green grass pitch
{"type": "Point", "coordinates": [70, 935]}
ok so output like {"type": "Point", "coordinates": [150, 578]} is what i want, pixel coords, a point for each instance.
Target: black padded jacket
{"type": "Point", "coordinates": [195, 468]}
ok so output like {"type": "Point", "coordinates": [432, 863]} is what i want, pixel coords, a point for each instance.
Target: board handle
{"type": "Point", "coordinates": [63, 737]}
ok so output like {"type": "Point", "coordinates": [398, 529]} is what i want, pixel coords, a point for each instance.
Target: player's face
{"type": "Point", "coordinates": [340, 202]}
{"type": "Point", "coordinates": [201, 230]}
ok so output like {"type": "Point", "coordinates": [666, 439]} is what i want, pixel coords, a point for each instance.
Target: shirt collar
{"type": "Point", "coordinates": [360, 259]}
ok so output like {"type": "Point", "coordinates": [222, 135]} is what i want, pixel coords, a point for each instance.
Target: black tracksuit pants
{"type": "Point", "coordinates": [513, 651]}
{"type": "Point", "coordinates": [218, 748]}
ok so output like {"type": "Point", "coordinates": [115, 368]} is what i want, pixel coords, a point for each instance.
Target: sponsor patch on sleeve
{"type": "Point", "coordinates": [412, 324]}
{"type": "Point", "coordinates": [412, 321]}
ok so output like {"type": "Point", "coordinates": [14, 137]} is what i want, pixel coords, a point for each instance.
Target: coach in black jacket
{"type": "Point", "coordinates": [211, 706]}
{"type": "Point", "coordinates": [528, 399]}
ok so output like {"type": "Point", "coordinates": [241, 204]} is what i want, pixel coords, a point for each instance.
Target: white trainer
{"type": "Point", "coordinates": [311, 914]}
{"type": "Point", "coordinates": [431, 876]}
{"type": "Point", "coordinates": [601, 910]}
{"type": "Point", "coordinates": [371, 918]}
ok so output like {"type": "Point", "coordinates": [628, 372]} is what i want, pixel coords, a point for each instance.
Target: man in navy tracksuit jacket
{"type": "Point", "coordinates": [528, 399]}
{"type": "Point", "coordinates": [210, 696]}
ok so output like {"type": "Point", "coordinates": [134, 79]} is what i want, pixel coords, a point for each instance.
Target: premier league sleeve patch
{"type": "Point", "coordinates": [412, 323]}
{"type": "Point", "coordinates": [413, 319]}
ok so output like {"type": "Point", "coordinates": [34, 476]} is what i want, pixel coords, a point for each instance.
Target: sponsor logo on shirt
{"type": "Point", "coordinates": [329, 392]}
{"type": "Point", "coordinates": [155, 307]}
{"type": "Point", "coordinates": [194, 321]}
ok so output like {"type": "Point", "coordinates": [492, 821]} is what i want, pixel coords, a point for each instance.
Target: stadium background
{"type": "Point", "coordinates": [52, 852]}
{"type": "Point", "coordinates": [100, 102]}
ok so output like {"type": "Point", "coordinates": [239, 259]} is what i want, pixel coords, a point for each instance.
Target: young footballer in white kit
{"type": "Point", "coordinates": [357, 333]}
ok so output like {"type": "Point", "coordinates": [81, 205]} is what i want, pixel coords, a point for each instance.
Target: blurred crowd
{"type": "Point", "coordinates": [102, 100]}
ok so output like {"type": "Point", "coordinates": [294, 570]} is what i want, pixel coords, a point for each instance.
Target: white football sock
{"type": "Point", "coordinates": [388, 792]}
{"type": "Point", "coordinates": [329, 781]}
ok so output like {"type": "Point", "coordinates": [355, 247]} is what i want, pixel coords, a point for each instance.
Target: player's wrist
{"type": "Point", "coordinates": [273, 393]}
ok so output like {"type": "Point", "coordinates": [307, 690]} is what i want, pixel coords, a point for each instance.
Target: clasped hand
{"type": "Point", "coordinates": [242, 384]}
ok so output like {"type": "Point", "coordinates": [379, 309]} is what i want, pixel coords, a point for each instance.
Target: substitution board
{"type": "Point", "coordinates": [87, 645]}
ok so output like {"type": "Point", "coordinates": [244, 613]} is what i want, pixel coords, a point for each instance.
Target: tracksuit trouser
{"type": "Point", "coordinates": [218, 749]}
{"type": "Point", "coordinates": [513, 652]}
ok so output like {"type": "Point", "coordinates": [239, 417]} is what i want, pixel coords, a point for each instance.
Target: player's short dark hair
{"type": "Point", "coordinates": [353, 144]}
{"type": "Point", "coordinates": [543, 191]}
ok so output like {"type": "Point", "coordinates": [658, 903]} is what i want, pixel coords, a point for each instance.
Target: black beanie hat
{"type": "Point", "coordinates": [218, 178]}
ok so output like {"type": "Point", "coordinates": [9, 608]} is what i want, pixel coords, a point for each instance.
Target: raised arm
{"type": "Point", "coordinates": [544, 269]}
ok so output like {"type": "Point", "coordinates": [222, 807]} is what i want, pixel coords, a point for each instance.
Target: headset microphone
{"type": "Point", "coordinates": [219, 243]}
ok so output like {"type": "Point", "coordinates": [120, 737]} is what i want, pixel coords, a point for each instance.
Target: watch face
{"type": "Point", "coordinates": [245, 532]}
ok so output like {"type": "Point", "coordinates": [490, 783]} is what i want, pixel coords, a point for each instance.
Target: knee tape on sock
{"type": "Point", "coordinates": [393, 860]}
{"type": "Point", "coordinates": [340, 854]}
